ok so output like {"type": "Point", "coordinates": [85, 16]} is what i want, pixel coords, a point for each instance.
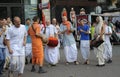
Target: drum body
{"type": "Point", "coordinates": [53, 42]}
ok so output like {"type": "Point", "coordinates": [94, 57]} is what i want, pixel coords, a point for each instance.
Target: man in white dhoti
{"type": "Point", "coordinates": [28, 47]}
{"type": "Point", "coordinates": [16, 40]}
{"type": "Point", "coordinates": [99, 34]}
{"type": "Point", "coordinates": [54, 22]}
{"type": "Point", "coordinates": [51, 53]}
{"type": "Point", "coordinates": [108, 46]}
{"type": "Point", "coordinates": [84, 41]}
{"type": "Point", "coordinates": [69, 43]}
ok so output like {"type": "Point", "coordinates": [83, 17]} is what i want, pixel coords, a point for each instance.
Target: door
{"type": "Point", "coordinates": [12, 10]}
{"type": "Point", "coordinates": [17, 11]}
{"type": "Point", "coordinates": [3, 12]}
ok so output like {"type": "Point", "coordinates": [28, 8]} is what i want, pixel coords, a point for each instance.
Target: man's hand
{"type": "Point", "coordinates": [59, 32]}
{"type": "Point", "coordinates": [81, 30]}
{"type": "Point", "coordinates": [64, 31]}
{"type": "Point", "coordinates": [24, 43]}
{"type": "Point", "coordinates": [3, 29]}
{"type": "Point", "coordinates": [10, 51]}
{"type": "Point", "coordinates": [71, 30]}
{"type": "Point", "coordinates": [100, 38]}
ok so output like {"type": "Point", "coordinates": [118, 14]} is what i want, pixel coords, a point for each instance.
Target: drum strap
{"type": "Point", "coordinates": [44, 30]}
{"type": "Point", "coordinates": [34, 30]}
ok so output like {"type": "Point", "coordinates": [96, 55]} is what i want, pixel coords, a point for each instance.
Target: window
{"type": "Point", "coordinates": [27, 2]}
{"type": "Point", "coordinates": [11, 1]}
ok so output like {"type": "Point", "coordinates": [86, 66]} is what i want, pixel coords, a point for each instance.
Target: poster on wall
{"type": "Point", "coordinates": [79, 17]}
{"type": "Point", "coordinates": [30, 11]}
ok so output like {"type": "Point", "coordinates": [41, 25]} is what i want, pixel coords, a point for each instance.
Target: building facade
{"type": "Point", "coordinates": [58, 5]}
{"type": "Point", "coordinates": [29, 8]}
{"type": "Point", "coordinates": [22, 8]}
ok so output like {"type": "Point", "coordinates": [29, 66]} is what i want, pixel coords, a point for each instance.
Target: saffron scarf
{"type": "Point", "coordinates": [67, 24]}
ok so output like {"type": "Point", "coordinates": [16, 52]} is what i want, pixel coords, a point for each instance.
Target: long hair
{"type": "Point", "coordinates": [100, 21]}
{"type": "Point", "coordinates": [99, 25]}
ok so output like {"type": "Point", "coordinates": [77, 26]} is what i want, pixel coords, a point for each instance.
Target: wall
{"type": "Point", "coordinates": [30, 8]}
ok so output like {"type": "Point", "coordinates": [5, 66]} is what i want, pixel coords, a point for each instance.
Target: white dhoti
{"type": "Point", "coordinates": [108, 50]}
{"type": "Point", "coordinates": [58, 49]}
{"type": "Point", "coordinates": [52, 55]}
{"type": "Point", "coordinates": [28, 50]}
{"type": "Point", "coordinates": [71, 53]}
{"type": "Point", "coordinates": [7, 52]}
{"type": "Point", "coordinates": [7, 58]}
{"type": "Point", "coordinates": [100, 54]}
{"type": "Point", "coordinates": [85, 49]}
{"type": "Point", "coordinates": [17, 63]}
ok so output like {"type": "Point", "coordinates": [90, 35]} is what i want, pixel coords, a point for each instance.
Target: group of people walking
{"type": "Point", "coordinates": [26, 41]}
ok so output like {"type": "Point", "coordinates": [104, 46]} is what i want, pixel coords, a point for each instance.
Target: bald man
{"type": "Point", "coordinates": [51, 53]}
{"type": "Point", "coordinates": [69, 43]}
{"type": "Point", "coordinates": [16, 40]}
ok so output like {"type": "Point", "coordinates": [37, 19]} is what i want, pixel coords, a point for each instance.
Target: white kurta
{"type": "Point", "coordinates": [69, 44]}
{"type": "Point", "coordinates": [51, 53]}
{"type": "Point", "coordinates": [41, 28]}
{"type": "Point", "coordinates": [108, 46]}
{"type": "Point", "coordinates": [6, 49]}
{"type": "Point", "coordinates": [16, 36]}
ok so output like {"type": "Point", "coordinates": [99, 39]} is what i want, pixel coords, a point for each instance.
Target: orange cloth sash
{"type": "Point", "coordinates": [67, 24]}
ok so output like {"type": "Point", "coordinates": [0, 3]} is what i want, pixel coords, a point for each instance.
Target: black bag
{"type": "Point", "coordinates": [114, 37]}
{"type": "Point", "coordinates": [95, 43]}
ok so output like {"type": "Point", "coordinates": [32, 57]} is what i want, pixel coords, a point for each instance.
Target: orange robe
{"type": "Point", "coordinates": [37, 46]}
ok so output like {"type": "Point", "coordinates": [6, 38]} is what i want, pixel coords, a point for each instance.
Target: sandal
{"type": "Point", "coordinates": [76, 62]}
{"type": "Point", "coordinates": [67, 63]}
{"type": "Point", "coordinates": [87, 62]}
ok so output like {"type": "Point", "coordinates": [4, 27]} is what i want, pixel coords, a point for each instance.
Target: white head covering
{"type": "Point", "coordinates": [99, 25]}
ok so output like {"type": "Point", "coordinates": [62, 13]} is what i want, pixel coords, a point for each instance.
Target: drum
{"type": "Point", "coordinates": [95, 43]}
{"type": "Point", "coordinates": [53, 42]}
